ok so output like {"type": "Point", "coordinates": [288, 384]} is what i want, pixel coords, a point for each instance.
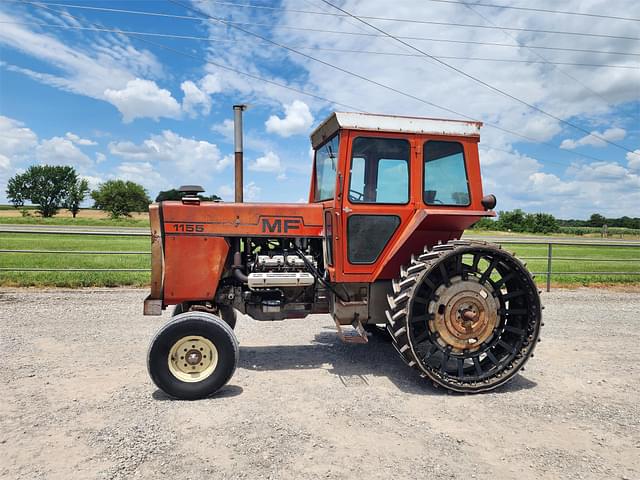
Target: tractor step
{"type": "Point", "coordinates": [354, 333]}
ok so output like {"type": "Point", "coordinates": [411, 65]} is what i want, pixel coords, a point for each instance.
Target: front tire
{"type": "Point", "coordinates": [193, 356]}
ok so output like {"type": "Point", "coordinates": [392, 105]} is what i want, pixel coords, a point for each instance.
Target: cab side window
{"type": "Point", "coordinates": [445, 175]}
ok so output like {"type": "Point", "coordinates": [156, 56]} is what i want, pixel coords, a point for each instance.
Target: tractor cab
{"type": "Point", "coordinates": [390, 185]}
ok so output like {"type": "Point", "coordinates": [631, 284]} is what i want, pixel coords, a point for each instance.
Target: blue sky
{"type": "Point", "coordinates": [114, 106]}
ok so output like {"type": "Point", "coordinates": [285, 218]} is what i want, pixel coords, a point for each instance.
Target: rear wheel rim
{"type": "Point", "coordinates": [505, 323]}
{"type": "Point", "coordinates": [192, 359]}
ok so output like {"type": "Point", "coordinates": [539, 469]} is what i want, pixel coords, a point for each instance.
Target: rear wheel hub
{"type": "Point", "coordinates": [465, 314]}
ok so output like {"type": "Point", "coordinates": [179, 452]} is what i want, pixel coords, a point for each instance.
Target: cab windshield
{"type": "Point", "coordinates": [326, 165]}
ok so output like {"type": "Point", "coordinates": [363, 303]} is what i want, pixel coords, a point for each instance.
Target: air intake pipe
{"type": "Point", "coordinates": [237, 266]}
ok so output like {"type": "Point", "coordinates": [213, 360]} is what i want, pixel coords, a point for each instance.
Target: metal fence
{"type": "Point", "coordinates": [549, 258]}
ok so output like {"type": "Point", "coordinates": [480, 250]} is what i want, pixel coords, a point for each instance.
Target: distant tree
{"type": "Point", "coordinates": [512, 220]}
{"type": "Point", "coordinates": [541, 223]}
{"type": "Point", "coordinates": [120, 198]}
{"type": "Point", "coordinates": [174, 194]}
{"type": "Point", "coordinates": [77, 194]}
{"type": "Point", "coordinates": [597, 220]}
{"type": "Point", "coordinates": [16, 190]}
{"type": "Point", "coordinates": [47, 186]}
{"type": "Point", "coordinates": [485, 224]}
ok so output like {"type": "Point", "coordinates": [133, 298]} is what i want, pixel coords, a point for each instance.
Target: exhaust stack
{"type": "Point", "coordinates": [237, 136]}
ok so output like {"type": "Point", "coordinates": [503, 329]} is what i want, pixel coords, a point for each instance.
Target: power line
{"type": "Point", "coordinates": [483, 59]}
{"type": "Point", "coordinates": [411, 20]}
{"type": "Point", "coordinates": [482, 82]}
{"type": "Point", "coordinates": [488, 124]}
{"type": "Point", "coordinates": [219, 65]}
{"type": "Point", "coordinates": [460, 2]}
{"type": "Point", "coordinates": [566, 74]}
{"type": "Point", "coordinates": [317, 30]}
{"type": "Point", "coordinates": [334, 50]}
{"type": "Point", "coordinates": [406, 20]}
{"type": "Point", "coordinates": [541, 10]}
{"type": "Point", "coordinates": [366, 79]}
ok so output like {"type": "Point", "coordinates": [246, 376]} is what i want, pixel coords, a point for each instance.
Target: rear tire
{"type": "Point", "coordinates": [466, 315]}
{"type": "Point", "coordinates": [193, 356]}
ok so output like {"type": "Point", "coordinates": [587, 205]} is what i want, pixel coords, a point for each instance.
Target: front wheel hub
{"type": "Point", "coordinates": [192, 359]}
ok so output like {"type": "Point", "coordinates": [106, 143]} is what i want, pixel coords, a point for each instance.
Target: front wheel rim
{"type": "Point", "coordinates": [192, 359]}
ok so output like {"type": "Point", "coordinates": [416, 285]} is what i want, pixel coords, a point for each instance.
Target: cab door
{"type": "Point", "coordinates": [376, 200]}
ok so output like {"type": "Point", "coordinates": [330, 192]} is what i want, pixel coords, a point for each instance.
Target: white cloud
{"type": "Point", "coordinates": [210, 84]}
{"type": "Point", "coordinates": [197, 97]}
{"type": "Point", "coordinates": [79, 141]}
{"type": "Point", "coordinates": [251, 192]}
{"type": "Point", "coordinates": [226, 192]}
{"type": "Point", "coordinates": [225, 128]}
{"type": "Point", "coordinates": [61, 151]}
{"type": "Point", "coordinates": [94, 181]}
{"type": "Point", "coordinates": [251, 141]}
{"type": "Point", "coordinates": [180, 159]}
{"type": "Point", "coordinates": [297, 119]}
{"type": "Point", "coordinates": [194, 100]}
{"type": "Point", "coordinates": [143, 98]}
{"type": "Point", "coordinates": [20, 147]}
{"type": "Point", "coordinates": [595, 139]}
{"type": "Point", "coordinates": [599, 171]}
{"type": "Point", "coordinates": [15, 138]}
{"type": "Point", "coordinates": [90, 68]}
{"type": "Point", "coordinates": [100, 157]}
{"type": "Point", "coordinates": [269, 162]}
{"type": "Point", "coordinates": [633, 160]}
{"type": "Point", "coordinates": [5, 163]}
{"type": "Point", "coordinates": [143, 173]}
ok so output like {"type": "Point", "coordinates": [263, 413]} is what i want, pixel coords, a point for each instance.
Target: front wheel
{"type": "Point", "coordinates": [193, 356]}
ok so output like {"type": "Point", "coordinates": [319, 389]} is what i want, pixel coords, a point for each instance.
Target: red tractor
{"type": "Point", "coordinates": [378, 243]}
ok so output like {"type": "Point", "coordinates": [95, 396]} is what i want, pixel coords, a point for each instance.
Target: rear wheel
{"type": "Point", "coordinates": [193, 355]}
{"type": "Point", "coordinates": [466, 315]}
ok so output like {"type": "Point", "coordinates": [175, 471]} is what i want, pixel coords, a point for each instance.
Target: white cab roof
{"type": "Point", "coordinates": [392, 123]}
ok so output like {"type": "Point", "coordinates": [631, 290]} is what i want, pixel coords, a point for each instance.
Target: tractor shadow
{"type": "Point", "coordinates": [225, 392]}
{"type": "Point", "coordinates": [353, 364]}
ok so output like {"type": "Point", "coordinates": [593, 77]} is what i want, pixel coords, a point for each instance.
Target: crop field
{"type": "Point", "coordinates": [565, 261]}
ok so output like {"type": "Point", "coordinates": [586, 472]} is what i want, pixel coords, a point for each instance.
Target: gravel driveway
{"type": "Point", "coordinates": [77, 401]}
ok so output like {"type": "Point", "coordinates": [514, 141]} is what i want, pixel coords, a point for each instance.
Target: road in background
{"type": "Point", "coordinates": [77, 401]}
{"type": "Point", "coordinates": [469, 235]}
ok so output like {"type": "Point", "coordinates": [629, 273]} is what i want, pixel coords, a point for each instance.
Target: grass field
{"type": "Point", "coordinates": [57, 260]}
{"type": "Point", "coordinates": [621, 259]}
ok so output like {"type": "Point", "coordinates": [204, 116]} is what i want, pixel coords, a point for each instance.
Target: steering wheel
{"type": "Point", "coordinates": [355, 196]}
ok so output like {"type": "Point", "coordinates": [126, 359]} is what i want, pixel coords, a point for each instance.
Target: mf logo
{"type": "Point", "coordinates": [280, 224]}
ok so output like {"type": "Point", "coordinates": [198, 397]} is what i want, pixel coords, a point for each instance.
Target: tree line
{"type": "Point", "coordinates": [520, 221]}
{"type": "Point", "coordinates": [52, 187]}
